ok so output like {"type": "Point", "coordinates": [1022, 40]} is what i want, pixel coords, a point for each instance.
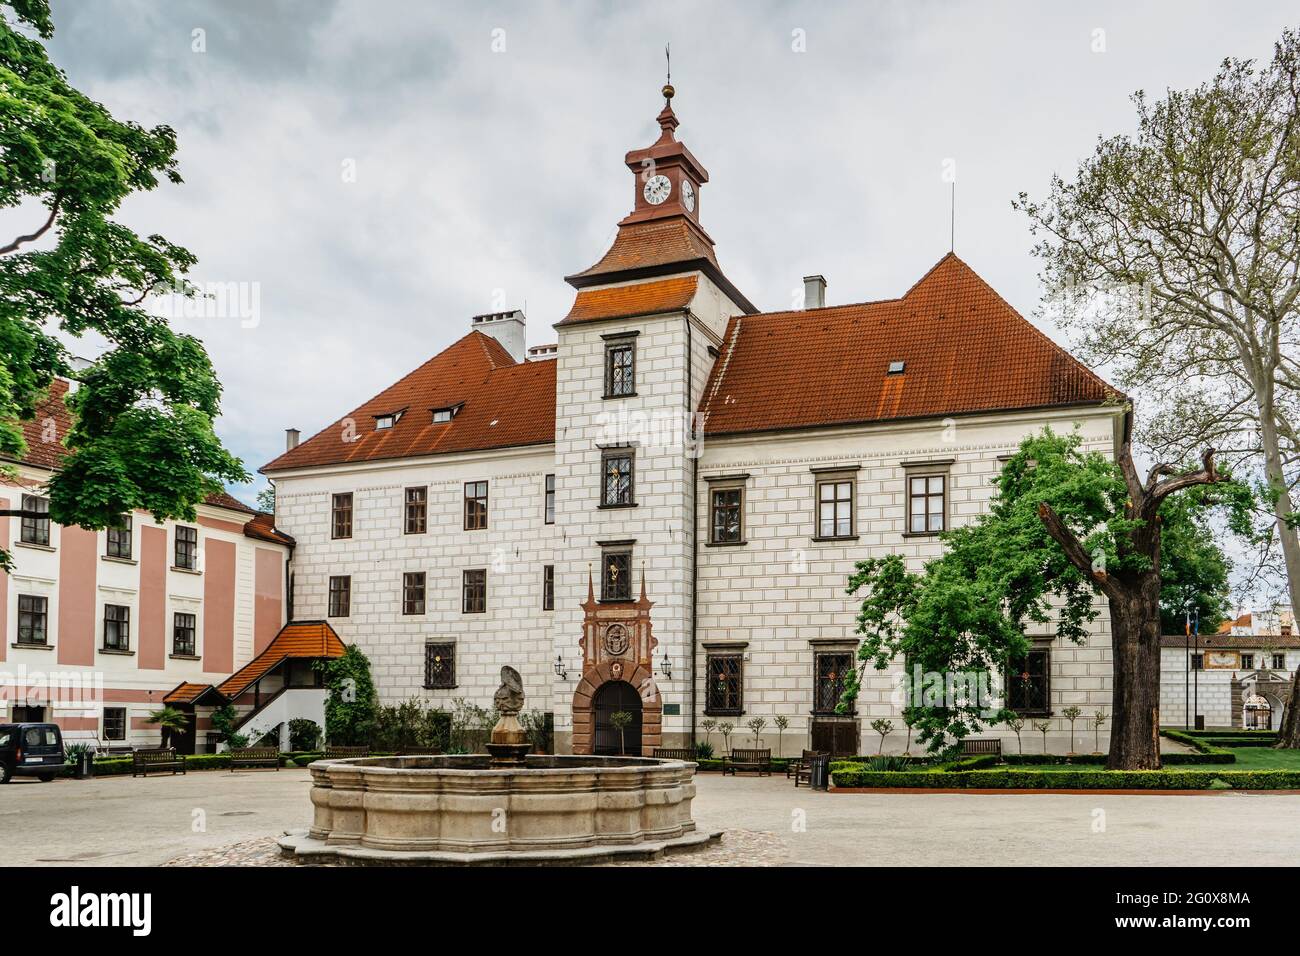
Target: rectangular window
{"type": "Point", "coordinates": [187, 547]}
{"type": "Point", "coordinates": [474, 592]}
{"type": "Point", "coordinates": [118, 539]}
{"type": "Point", "coordinates": [35, 529]}
{"type": "Point", "coordinates": [724, 696]}
{"type": "Point", "coordinates": [620, 369]}
{"type": "Point", "coordinates": [439, 666]}
{"type": "Point", "coordinates": [835, 508]}
{"type": "Point", "coordinates": [617, 468]}
{"type": "Point", "coordinates": [549, 507]}
{"type": "Point", "coordinates": [1279, 662]}
{"type": "Point", "coordinates": [117, 627]}
{"type": "Point", "coordinates": [725, 528]}
{"type": "Point", "coordinates": [616, 576]}
{"type": "Point", "coordinates": [548, 587]}
{"type": "Point", "coordinates": [1248, 662]}
{"type": "Point", "coordinates": [340, 596]}
{"type": "Point", "coordinates": [33, 619]}
{"type": "Point", "coordinates": [341, 516]}
{"type": "Point", "coordinates": [830, 671]}
{"type": "Point", "coordinates": [1198, 662]}
{"type": "Point", "coordinates": [184, 632]}
{"type": "Point", "coordinates": [115, 723]}
{"type": "Point", "coordinates": [1029, 683]}
{"type": "Point", "coordinates": [417, 510]}
{"type": "Point", "coordinates": [413, 592]}
{"type": "Point", "coordinates": [476, 505]}
{"type": "Point", "coordinates": [925, 503]}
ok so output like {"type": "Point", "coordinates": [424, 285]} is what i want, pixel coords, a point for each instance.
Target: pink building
{"type": "Point", "coordinates": [97, 627]}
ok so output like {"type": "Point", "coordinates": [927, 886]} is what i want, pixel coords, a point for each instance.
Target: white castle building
{"type": "Point", "coordinates": [659, 512]}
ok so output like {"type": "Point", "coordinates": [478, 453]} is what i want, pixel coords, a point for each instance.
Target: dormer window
{"type": "Point", "coordinates": [896, 368]}
{"type": "Point", "coordinates": [387, 421]}
{"type": "Point", "coordinates": [443, 415]}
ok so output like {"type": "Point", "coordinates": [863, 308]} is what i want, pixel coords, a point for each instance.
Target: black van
{"type": "Point", "coordinates": [30, 750]}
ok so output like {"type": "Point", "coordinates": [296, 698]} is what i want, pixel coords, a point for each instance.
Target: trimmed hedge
{"type": "Point", "coordinates": [1027, 779]}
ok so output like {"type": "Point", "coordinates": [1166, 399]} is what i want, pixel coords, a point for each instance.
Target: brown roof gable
{"type": "Point", "coordinates": [307, 639]}
{"type": "Point", "coordinates": [643, 298]}
{"type": "Point", "coordinates": [963, 347]}
{"type": "Point", "coordinates": [502, 403]}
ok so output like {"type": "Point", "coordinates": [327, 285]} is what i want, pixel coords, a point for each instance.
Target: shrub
{"type": "Point", "coordinates": [411, 723]}
{"type": "Point", "coordinates": [703, 751]}
{"type": "Point", "coordinates": [304, 734]}
{"type": "Point", "coordinates": [1027, 779]}
{"type": "Point", "coordinates": [350, 705]}
{"type": "Point", "coordinates": [887, 763]}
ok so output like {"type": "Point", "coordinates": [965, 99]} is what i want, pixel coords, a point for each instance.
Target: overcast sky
{"type": "Point", "coordinates": [381, 171]}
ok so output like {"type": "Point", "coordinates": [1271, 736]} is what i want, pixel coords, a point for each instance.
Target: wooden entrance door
{"type": "Point", "coordinates": [611, 698]}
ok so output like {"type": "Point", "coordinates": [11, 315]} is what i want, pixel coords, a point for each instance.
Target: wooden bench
{"type": "Point", "coordinates": [980, 746]}
{"type": "Point", "coordinates": [340, 753]}
{"type": "Point", "coordinates": [801, 769]}
{"type": "Point", "coordinates": [143, 761]}
{"type": "Point", "coordinates": [418, 752]}
{"type": "Point", "coordinates": [674, 753]}
{"type": "Point", "coordinates": [759, 761]}
{"type": "Point", "coordinates": [246, 758]}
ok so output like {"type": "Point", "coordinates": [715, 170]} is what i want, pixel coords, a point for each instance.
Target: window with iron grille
{"type": "Point", "coordinates": [33, 619]}
{"type": "Point", "coordinates": [340, 595]}
{"type": "Point", "coordinates": [117, 539]}
{"type": "Point", "coordinates": [831, 668]}
{"type": "Point", "coordinates": [620, 369]}
{"type": "Point", "coordinates": [1198, 662]}
{"type": "Point", "coordinates": [726, 523]}
{"type": "Point", "coordinates": [925, 503]}
{"type": "Point", "coordinates": [117, 627]}
{"type": "Point", "coordinates": [616, 576]}
{"type": "Point", "coordinates": [617, 468]}
{"type": "Point", "coordinates": [341, 515]}
{"type": "Point", "coordinates": [549, 507]}
{"type": "Point", "coordinates": [184, 632]}
{"type": "Point", "coordinates": [413, 592]}
{"type": "Point", "coordinates": [115, 723]}
{"type": "Point", "coordinates": [548, 587]}
{"type": "Point", "coordinates": [474, 591]}
{"type": "Point", "coordinates": [35, 529]}
{"type": "Point", "coordinates": [417, 510]}
{"type": "Point", "coordinates": [187, 547]}
{"type": "Point", "coordinates": [835, 508]}
{"type": "Point", "coordinates": [723, 697]}
{"type": "Point", "coordinates": [476, 505]}
{"type": "Point", "coordinates": [1029, 683]}
{"type": "Point", "coordinates": [439, 666]}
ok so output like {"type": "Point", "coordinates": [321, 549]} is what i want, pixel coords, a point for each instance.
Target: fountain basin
{"type": "Point", "coordinates": [461, 809]}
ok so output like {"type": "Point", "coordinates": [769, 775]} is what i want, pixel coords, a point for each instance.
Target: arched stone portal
{"type": "Point", "coordinates": [617, 648]}
{"type": "Point", "coordinates": [608, 738]}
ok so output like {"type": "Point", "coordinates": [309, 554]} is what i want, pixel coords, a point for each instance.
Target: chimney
{"type": "Point", "coordinates": [291, 436]}
{"type": "Point", "coordinates": [508, 328]}
{"type": "Point", "coordinates": [814, 292]}
{"type": "Point", "coordinates": [543, 352]}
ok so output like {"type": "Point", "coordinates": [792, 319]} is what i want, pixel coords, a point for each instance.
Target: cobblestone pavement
{"type": "Point", "coordinates": [737, 848]}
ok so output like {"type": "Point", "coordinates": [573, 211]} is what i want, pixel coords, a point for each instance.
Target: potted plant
{"type": "Point", "coordinates": [620, 719]}
{"type": "Point", "coordinates": [82, 758]}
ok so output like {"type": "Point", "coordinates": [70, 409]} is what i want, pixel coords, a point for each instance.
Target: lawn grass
{"type": "Point", "coordinates": [1248, 758]}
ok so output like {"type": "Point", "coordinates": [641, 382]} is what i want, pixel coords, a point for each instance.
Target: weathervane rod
{"type": "Point", "coordinates": [668, 56]}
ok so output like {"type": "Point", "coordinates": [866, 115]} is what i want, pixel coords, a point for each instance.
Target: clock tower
{"type": "Point", "coordinates": [668, 177]}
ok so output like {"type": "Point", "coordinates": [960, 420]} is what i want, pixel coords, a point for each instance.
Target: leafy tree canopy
{"type": "Point", "coordinates": [142, 434]}
{"type": "Point", "coordinates": [1003, 574]}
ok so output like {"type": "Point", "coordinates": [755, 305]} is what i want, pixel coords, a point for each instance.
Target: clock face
{"type": "Point", "coordinates": [657, 189]}
{"type": "Point", "coordinates": [688, 195]}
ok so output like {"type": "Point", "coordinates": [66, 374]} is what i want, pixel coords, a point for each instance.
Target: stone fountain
{"type": "Point", "coordinates": [505, 807]}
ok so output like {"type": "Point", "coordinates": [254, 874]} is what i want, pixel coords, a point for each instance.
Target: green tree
{"type": "Point", "coordinates": [350, 704]}
{"type": "Point", "coordinates": [1175, 251]}
{"type": "Point", "coordinates": [1197, 578]}
{"type": "Point", "coordinates": [1062, 526]}
{"type": "Point", "coordinates": [620, 719]}
{"type": "Point", "coordinates": [141, 434]}
{"type": "Point", "coordinates": [171, 721]}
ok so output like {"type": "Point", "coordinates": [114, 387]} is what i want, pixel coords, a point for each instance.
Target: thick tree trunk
{"type": "Point", "coordinates": [1135, 712]}
{"type": "Point", "coordinates": [1289, 733]}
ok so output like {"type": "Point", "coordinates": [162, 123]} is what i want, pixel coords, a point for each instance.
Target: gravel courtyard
{"type": "Point", "coordinates": [218, 818]}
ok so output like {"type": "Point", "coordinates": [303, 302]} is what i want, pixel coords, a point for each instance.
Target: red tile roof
{"type": "Point", "coordinates": [644, 298]}
{"type": "Point", "coordinates": [658, 242]}
{"type": "Point", "coordinates": [306, 639]}
{"type": "Point", "coordinates": [184, 693]}
{"type": "Point", "coordinates": [45, 449]}
{"type": "Point", "coordinates": [263, 527]}
{"type": "Point", "coordinates": [1243, 621]}
{"type": "Point", "coordinates": [1231, 641]}
{"type": "Point", "coordinates": [503, 403]}
{"type": "Point", "coordinates": [964, 348]}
